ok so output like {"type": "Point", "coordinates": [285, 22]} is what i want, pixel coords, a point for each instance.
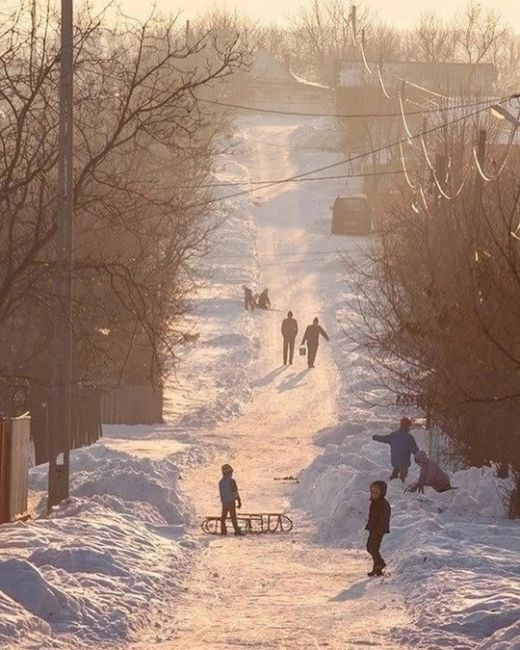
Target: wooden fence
{"type": "Point", "coordinates": [14, 467]}
{"type": "Point", "coordinates": [442, 450]}
{"type": "Point", "coordinates": [132, 404]}
{"type": "Point", "coordinates": [86, 421]}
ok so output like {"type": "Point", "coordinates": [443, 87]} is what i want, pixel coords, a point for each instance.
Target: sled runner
{"type": "Point", "coordinates": [265, 522]}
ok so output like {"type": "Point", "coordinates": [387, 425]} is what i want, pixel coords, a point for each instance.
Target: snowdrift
{"type": "Point", "coordinates": [323, 134]}
{"type": "Point", "coordinates": [213, 380]}
{"type": "Point", "coordinates": [454, 555]}
{"type": "Point", "coordinates": [96, 566]}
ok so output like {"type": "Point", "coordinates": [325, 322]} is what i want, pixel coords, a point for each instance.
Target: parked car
{"type": "Point", "coordinates": [351, 215]}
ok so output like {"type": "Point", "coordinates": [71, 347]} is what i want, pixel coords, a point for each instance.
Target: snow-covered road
{"type": "Point", "coordinates": [124, 563]}
{"type": "Point", "coordinates": [279, 591]}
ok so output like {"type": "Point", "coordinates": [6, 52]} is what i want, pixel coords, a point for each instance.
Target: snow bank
{"type": "Point", "coordinates": [453, 554]}
{"type": "Point", "coordinates": [213, 380]}
{"type": "Point", "coordinates": [17, 624]}
{"type": "Point", "coordinates": [125, 483]}
{"type": "Point", "coordinates": [323, 134]}
{"type": "Point", "coordinates": [103, 559]}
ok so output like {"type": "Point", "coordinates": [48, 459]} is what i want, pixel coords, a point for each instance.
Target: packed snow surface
{"type": "Point", "coordinates": [103, 562]}
{"type": "Point", "coordinates": [123, 563]}
{"type": "Point", "coordinates": [451, 554]}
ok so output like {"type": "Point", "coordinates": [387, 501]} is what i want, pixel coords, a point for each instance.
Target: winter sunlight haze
{"type": "Point", "coordinates": [259, 325]}
{"type": "Point", "coordinates": [401, 13]}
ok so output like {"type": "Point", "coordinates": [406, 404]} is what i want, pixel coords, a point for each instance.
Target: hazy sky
{"type": "Point", "coordinates": [402, 13]}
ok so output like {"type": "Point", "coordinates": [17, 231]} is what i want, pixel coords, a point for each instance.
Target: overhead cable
{"type": "Point", "coordinates": [345, 161]}
{"type": "Point", "coordinates": [254, 109]}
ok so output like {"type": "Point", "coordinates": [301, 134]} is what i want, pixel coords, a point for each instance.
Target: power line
{"type": "Point", "coordinates": [298, 180]}
{"type": "Point", "coordinates": [279, 254]}
{"type": "Point", "coordinates": [345, 115]}
{"type": "Point", "coordinates": [345, 161]}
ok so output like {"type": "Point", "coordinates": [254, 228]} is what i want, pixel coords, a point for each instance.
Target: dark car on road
{"type": "Point", "coordinates": [351, 215]}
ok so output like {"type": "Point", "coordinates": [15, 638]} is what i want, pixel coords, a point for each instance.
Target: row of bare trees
{"type": "Point", "coordinates": [142, 156]}
{"type": "Point", "coordinates": [440, 299]}
{"type": "Point", "coordinates": [320, 34]}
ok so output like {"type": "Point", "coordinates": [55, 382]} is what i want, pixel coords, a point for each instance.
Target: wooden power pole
{"type": "Point", "coordinates": [61, 347]}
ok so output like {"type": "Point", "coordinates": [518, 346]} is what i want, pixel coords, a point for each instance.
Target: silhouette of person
{"type": "Point", "coordinates": [312, 338]}
{"type": "Point", "coordinates": [230, 499]}
{"type": "Point", "coordinates": [249, 302]}
{"type": "Point", "coordinates": [289, 332]}
{"type": "Point", "coordinates": [263, 301]}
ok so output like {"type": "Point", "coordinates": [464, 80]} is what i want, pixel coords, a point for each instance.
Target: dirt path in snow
{"type": "Point", "coordinates": [278, 591]}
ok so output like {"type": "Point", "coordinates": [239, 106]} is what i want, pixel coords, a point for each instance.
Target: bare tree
{"type": "Point", "coordinates": [433, 40]}
{"type": "Point", "coordinates": [479, 34]}
{"type": "Point", "coordinates": [143, 150]}
{"type": "Point", "coordinates": [440, 303]}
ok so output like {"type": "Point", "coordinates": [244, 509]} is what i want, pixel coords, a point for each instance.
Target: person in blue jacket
{"type": "Point", "coordinates": [402, 447]}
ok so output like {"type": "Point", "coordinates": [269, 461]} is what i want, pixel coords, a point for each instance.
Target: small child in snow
{"type": "Point", "coordinates": [229, 496]}
{"type": "Point", "coordinates": [431, 474]}
{"type": "Point", "coordinates": [378, 525]}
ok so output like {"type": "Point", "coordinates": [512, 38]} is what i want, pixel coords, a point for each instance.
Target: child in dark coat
{"type": "Point", "coordinates": [230, 499]}
{"type": "Point", "coordinates": [378, 525]}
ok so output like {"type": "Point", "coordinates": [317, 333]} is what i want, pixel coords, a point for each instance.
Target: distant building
{"type": "Point", "coordinates": [272, 86]}
{"type": "Point", "coordinates": [447, 79]}
{"type": "Point", "coordinates": [425, 86]}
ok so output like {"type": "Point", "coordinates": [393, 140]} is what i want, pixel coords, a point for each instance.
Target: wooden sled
{"type": "Point", "coordinates": [265, 522]}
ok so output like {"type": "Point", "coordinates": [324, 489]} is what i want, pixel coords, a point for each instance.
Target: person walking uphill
{"type": "Point", "coordinates": [402, 446]}
{"type": "Point", "coordinates": [312, 338]}
{"type": "Point", "coordinates": [289, 332]}
{"type": "Point", "coordinates": [378, 525]}
{"type": "Point", "coordinates": [229, 496]}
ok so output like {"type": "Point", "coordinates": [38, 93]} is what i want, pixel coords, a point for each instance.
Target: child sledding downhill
{"type": "Point", "coordinates": [378, 525]}
{"type": "Point", "coordinates": [230, 499]}
{"type": "Point", "coordinates": [402, 446]}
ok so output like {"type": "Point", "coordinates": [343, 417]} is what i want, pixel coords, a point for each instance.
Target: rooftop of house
{"type": "Point", "coordinates": [266, 68]}
{"type": "Point", "coordinates": [450, 78]}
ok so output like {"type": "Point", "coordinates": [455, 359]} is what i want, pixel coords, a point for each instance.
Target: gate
{"type": "Point", "coordinates": [14, 467]}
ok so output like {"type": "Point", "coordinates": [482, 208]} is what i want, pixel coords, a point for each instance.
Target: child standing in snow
{"type": "Point", "coordinates": [402, 446]}
{"type": "Point", "coordinates": [378, 525]}
{"type": "Point", "coordinates": [230, 499]}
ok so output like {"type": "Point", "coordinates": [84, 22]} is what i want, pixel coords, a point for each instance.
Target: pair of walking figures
{"type": "Point", "coordinates": [311, 338]}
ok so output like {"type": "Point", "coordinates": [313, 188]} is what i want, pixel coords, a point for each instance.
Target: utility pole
{"type": "Point", "coordinates": [353, 19]}
{"type": "Point", "coordinates": [188, 34]}
{"type": "Point", "coordinates": [481, 156]}
{"type": "Point", "coordinates": [61, 347]}
{"type": "Point", "coordinates": [479, 186]}
{"type": "Point", "coordinates": [441, 169]}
